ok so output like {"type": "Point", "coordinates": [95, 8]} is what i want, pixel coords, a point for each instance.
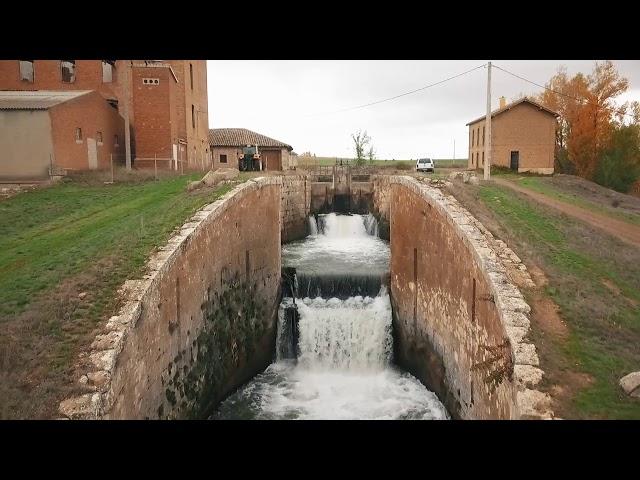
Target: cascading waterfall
{"type": "Point", "coordinates": [313, 226]}
{"type": "Point", "coordinates": [334, 343]}
{"type": "Point", "coordinates": [349, 335]}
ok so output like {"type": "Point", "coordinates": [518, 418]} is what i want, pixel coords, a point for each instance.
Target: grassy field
{"type": "Point", "coordinates": [540, 185]}
{"type": "Point", "coordinates": [595, 281]}
{"type": "Point", "coordinates": [64, 251]}
{"type": "Point", "coordinates": [390, 163]}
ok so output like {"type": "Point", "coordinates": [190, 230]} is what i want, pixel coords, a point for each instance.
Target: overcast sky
{"type": "Point", "coordinates": [292, 100]}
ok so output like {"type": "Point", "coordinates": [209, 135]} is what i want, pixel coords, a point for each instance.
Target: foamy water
{"type": "Point", "coordinates": [344, 367]}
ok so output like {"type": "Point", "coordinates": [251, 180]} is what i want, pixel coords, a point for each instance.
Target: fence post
{"type": "Point", "coordinates": [155, 166]}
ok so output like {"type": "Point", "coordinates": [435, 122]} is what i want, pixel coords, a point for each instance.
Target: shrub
{"type": "Point", "coordinates": [619, 165]}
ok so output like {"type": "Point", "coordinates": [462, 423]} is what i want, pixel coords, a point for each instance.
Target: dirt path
{"type": "Point", "coordinates": [624, 231]}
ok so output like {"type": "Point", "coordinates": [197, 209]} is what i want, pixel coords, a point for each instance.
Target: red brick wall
{"type": "Point", "coordinates": [93, 114]}
{"type": "Point", "coordinates": [186, 96]}
{"type": "Point", "coordinates": [47, 76]}
{"type": "Point", "coordinates": [152, 109]}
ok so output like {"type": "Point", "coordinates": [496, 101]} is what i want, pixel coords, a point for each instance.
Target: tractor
{"type": "Point", "coordinates": [249, 160]}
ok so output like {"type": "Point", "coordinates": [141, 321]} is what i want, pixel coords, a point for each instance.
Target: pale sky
{"type": "Point", "coordinates": [291, 100]}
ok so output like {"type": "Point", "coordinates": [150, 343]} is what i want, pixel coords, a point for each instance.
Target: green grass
{"type": "Point", "coordinates": [79, 236]}
{"type": "Point", "coordinates": [47, 235]}
{"type": "Point", "coordinates": [391, 163]}
{"type": "Point", "coordinates": [540, 186]}
{"type": "Point", "coordinates": [604, 326]}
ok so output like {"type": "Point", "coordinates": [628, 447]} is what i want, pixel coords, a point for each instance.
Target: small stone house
{"type": "Point", "coordinates": [56, 131]}
{"type": "Point", "coordinates": [523, 135]}
{"type": "Point", "coordinates": [227, 144]}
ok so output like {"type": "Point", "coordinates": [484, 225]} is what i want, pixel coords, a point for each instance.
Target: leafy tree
{"type": "Point", "coordinates": [619, 167]}
{"type": "Point", "coordinates": [587, 114]}
{"type": "Point", "coordinates": [360, 141]}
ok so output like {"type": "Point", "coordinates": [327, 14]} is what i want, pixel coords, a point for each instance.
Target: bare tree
{"type": "Point", "coordinates": [371, 154]}
{"type": "Point", "coordinates": [360, 140]}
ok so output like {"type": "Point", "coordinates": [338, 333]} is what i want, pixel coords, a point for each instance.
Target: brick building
{"type": "Point", "coordinates": [523, 137]}
{"type": "Point", "coordinates": [59, 130]}
{"type": "Point", "coordinates": [166, 100]}
{"type": "Point", "coordinates": [227, 143]}
{"type": "Point", "coordinates": [170, 111]}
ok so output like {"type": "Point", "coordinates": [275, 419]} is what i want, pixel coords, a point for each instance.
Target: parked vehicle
{"type": "Point", "coordinates": [425, 165]}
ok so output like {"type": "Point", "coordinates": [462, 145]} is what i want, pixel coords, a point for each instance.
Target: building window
{"type": "Point", "coordinates": [193, 116]}
{"type": "Point", "coordinates": [107, 70]}
{"type": "Point", "coordinates": [68, 70]}
{"type": "Point", "coordinates": [483, 159]}
{"type": "Point", "coordinates": [115, 141]}
{"type": "Point", "coordinates": [223, 159]}
{"type": "Point", "coordinates": [191, 74]}
{"type": "Point", "coordinates": [99, 138]}
{"type": "Point", "coordinates": [478, 137]}
{"type": "Point", "coordinates": [482, 137]}
{"type": "Point", "coordinates": [26, 70]}
{"type": "Point", "coordinates": [473, 137]}
{"type": "Point", "coordinates": [78, 135]}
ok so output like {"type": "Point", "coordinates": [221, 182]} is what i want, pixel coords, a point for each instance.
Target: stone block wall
{"type": "Point", "coordinates": [296, 204]}
{"type": "Point", "coordinates": [201, 321]}
{"type": "Point", "coordinates": [460, 325]}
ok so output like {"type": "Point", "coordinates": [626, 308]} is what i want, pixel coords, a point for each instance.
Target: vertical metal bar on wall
{"type": "Point", "coordinates": [155, 166]}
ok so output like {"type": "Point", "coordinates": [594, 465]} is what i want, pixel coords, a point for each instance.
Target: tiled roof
{"type": "Point", "coordinates": [241, 137]}
{"type": "Point", "coordinates": [513, 104]}
{"type": "Point", "coordinates": [37, 99]}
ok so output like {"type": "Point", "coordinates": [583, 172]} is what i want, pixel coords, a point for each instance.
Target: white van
{"type": "Point", "coordinates": [424, 165]}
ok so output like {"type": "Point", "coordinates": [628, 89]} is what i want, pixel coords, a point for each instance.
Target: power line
{"type": "Point", "coordinates": [398, 96]}
{"type": "Point", "coordinates": [582, 101]}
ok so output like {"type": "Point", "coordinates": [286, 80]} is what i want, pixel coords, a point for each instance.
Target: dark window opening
{"type": "Point", "coordinates": [473, 137]}
{"type": "Point", "coordinates": [26, 70]}
{"type": "Point", "coordinates": [68, 71]}
{"type": "Point", "coordinates": [108, 67]}
{"type": "Point", "coordinates": [223, 159]}
{"type": "Point", "coordinates": [482, 135]}
{"type": "Point", "coordinates": [99, 138]}
{"type": "Point", "coordinates": [78, 134]}
{"type": "Point", "coordinates": [115, 141]}
{"type": "Point", "coordinates": [191, 74]}
{"type": "Point", "coordinates": [193, 116]}
{"type": "Point", "coordinates": [483, 159]}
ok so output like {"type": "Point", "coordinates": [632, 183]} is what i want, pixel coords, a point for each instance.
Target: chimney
{"type": "Point", "coordinates": [503, 102]}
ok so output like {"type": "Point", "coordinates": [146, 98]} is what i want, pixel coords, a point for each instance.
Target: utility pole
{"type": "Point", "coordinates": [487, 143]}
{"type": "Point", "coordinates": [127, 133]}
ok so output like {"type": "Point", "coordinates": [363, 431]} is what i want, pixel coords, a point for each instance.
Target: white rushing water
{"type": "Point", "coordinates": [344, 367]}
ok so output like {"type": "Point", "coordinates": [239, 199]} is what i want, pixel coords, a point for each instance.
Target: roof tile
{"type": "Point", "coordinates": [241, 137]}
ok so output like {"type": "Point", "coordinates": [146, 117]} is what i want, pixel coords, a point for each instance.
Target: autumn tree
{"type": "Point", "coordinates": [587, 109]}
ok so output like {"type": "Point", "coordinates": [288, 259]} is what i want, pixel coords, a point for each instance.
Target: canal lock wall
{"type": "Point", "coordinates": [203, 319]}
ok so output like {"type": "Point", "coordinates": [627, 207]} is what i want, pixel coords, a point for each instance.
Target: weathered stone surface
{"type": "Point", "coordinates": [99, 379]}
{"type": "Point", "coordinates": [631, 384]}
{"type": "Point", "coordinates": [527, 376]}
{"type": "Point", "coordinates": [83, 407]}
{"type": "Point", "coordinates": [104, 360]}
{"type": "Point", "coordinates": [195, 185]}
{"type": "Point", "coordinates": [214, 177]}
{"type": "Point", "coordinates": [525, 354]}
{"type": "Point", "coordinates": [534, 405]}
